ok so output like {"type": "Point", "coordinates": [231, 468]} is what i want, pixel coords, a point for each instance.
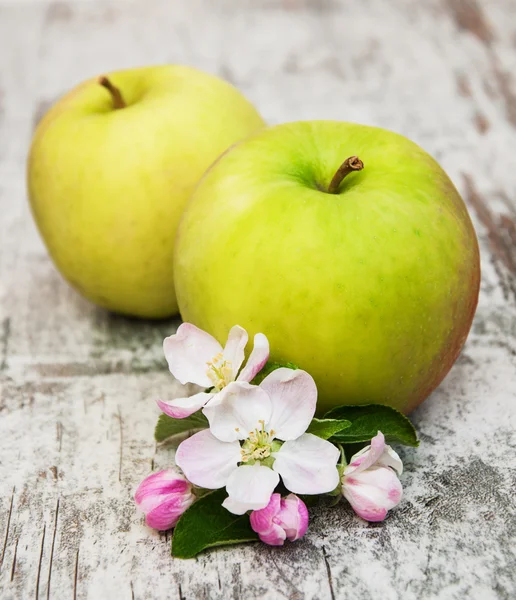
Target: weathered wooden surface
{"type": "Point", "coordinates": [77, 385]}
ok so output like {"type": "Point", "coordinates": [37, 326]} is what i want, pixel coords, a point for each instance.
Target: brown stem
{"type": "Point", "coordinates": [118, 101]}
{"type": "Point", "coordinates": [353, 163]}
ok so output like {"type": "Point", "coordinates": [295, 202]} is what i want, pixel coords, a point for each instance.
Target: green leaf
{"type": "Point", "coordinates": [368, 419]}
{"type": "Point", "coordinates": [269, 368]}
{"type": "Point", "coordinates": [206, 524]}
{"type": "Point", "coordinates": [326, 428]}
{"type": "Point", "coordinates": [167, 426]}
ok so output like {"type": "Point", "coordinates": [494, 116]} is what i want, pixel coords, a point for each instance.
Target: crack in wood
{"type": "Point", "coordinates": [481, 123]}
{"type": "Point", "coordinates": [52, 549]}
{"type": "Point", "coordinates": [6, 334]}
{"type": "Point", "coordinates": [13, 566]}
{"type": "Point", "coordinates": [469, 16]}
{"type": "Point", "coordinates": [236, 580]}
{"type": "Point", "coordinates": [75, 574]}
{"type": "Point", "coordinates": [328, 571]}
{"type": "Point", "coordinates": [6, 538]}
{"type": "Point", "coordinates": [503, 81]}
{"type": "Point", "coordinates": [96, 368]}
{"type": "Point", "coordinates": [296, 592]}
{"type": "Point", "coordinates": [180, 592]}
{"type": "Point", "coordinates": [121, 446]}
{"type": "Point", "coordinates": [501, 234]}
{"type": "Point", "coordinates": [58, 12]}
{"type": "Point", "coordinates": [36, 595]}
{"type": "Point", "coordinates": [463, 85]}
{"type": "Point", "coordinates": [59, 435]}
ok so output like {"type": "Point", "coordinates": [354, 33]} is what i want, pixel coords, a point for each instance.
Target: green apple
{"type": "Point", "coordinates": [111, 167]}
{"type": "Point", "coordinates": [363, 271]}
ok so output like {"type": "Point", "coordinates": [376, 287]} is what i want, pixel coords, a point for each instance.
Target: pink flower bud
{"type": "Point", "coordinates": [164, 497]}
{"type": "Point", "coordinates": [282, 518]}
{"type": "Point", "coordinates": [369, 482]}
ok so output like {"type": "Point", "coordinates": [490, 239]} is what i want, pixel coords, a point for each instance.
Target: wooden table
{"type": "Point", "coordinates": [77, 384]}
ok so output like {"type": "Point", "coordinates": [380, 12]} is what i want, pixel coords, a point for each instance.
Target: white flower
{"type": "Point", "coordinates": [241, 450]}
{"type": "Point", "coordinates": [369, 482]}
{"type": "Point", "coordinates": [194, 356]}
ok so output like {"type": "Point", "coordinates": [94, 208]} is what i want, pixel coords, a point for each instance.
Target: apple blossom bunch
{"type": "Point", "coordinates": [258, 439]}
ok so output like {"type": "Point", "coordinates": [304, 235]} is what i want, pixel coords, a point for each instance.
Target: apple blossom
{"type": "Point", "coordinates": [281, 519]}
{"type": "Point", "coordinates": [369, 482]}
{"type": "Point", "coordinates": [163, 497]}
{"type": "Point", "coordinates": [241, 449]}
{"type": "Point", "coordinates": [194, 356]}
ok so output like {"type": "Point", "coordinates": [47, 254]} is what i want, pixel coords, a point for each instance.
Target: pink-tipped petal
{"type": "Point", "coordinates": [368, 456]}
{"type": "Point", "coordinates": [281, 519]}
{"type": "Point", "coordinates": [206, 461]}
{"type": "Point", "coordinates": [156, 484]}
{"type": "Point", "coordinates": [235, 346]}
{"type": "Point", "coordinates": [373, 492]}
{"type": "Point", "coordinates": [166, 515]}
{"type": "Point", "coordinates": [180, 408]}
{"type": "Point", "coordinates": [293, 517]}
{"type": "Point", "coordinates": [188, 351]}
{"type": "Point", "coordinates": [237, 410]}
{"type": "Point", "coordinates": [377, 453]}
{"type": "Point", "coordinates": [163, 497]}
{"type": "Point", "coordinates": [249, 488]}
{"type": "Point", "coordinates": [257, 359]}
{"type": "Point", "coordinates": [275, 536]}
{"type": "Point", "coordinates": [293, 395]}
{"type": "Point", "coordinates": [261, 520]}
{"type": "Point", "coordinates": [307, 465]}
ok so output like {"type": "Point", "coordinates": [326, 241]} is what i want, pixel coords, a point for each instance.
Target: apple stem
{"type": "Point", "coordinates": [118, 101]}
{"type": "Point", "coordinates": [353, 163]}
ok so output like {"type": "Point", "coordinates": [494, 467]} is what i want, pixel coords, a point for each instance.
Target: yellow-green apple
{"type": "Point", "coordinates": [347, 245]}
{"type": "Point", "coordinates": [110, 169]}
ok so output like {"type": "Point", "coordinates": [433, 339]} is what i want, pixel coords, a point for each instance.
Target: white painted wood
{"type": "Point", "coordinates": [77, 385]}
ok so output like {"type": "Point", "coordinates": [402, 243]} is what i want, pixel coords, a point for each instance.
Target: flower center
{"type": "Point", "coordinates": [219, 371]}
{"type": "Point", "coordinates": [258, 446]}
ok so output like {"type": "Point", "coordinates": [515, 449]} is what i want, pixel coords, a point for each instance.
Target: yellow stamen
{"type": "Point", "coordinates": [220, 371]}
{"type": "Point", "coordinates": [258, 445]}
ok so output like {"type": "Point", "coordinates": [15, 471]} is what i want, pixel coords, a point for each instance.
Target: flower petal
{"type": "Point", "coordinates": [390, 458]}
{"type": "Point", "coordinates": [156, 486]}
{"type": "Point", "coordinates": [234, 350]}
{"type": "Point", "coordinates": [206, 461]}
{"type": "Point", "coordinates": [368, 456]}
{"type": "Point", "coordinates": [184, 407]}
{"type": "Point", "coordinates": [275, 536]}
{"type": "Point", "coordinates": [250, 488]}
{"type": "Point", "coordinates": [373, 492]}
{"type": "Point", "coordinates": [237, 410]}
{"type": "Point", "coordinates": [293, 395]}
{"type": "Point", "coordinates": [293, 517]}
{"type": "Point", "coordinates": [163, 497]}
{"type": "Point", "coordinates": [167, 514]}
{"type": "Point", "coordinates": [377, 453]}
{"type": "Point", "coordinates": [307, 465]}
{"type": "Point", "coordinates": [257, 359]}
{"type": "Point", "coordinates": [188, 351]}
{"type": "Point", "coordinates": [235, 507]}
{"type": "Point", "coordinates": [261, 520]}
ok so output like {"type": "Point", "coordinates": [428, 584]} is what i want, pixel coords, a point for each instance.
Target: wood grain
{"type": "Point", "coordinates": [77, 385]}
